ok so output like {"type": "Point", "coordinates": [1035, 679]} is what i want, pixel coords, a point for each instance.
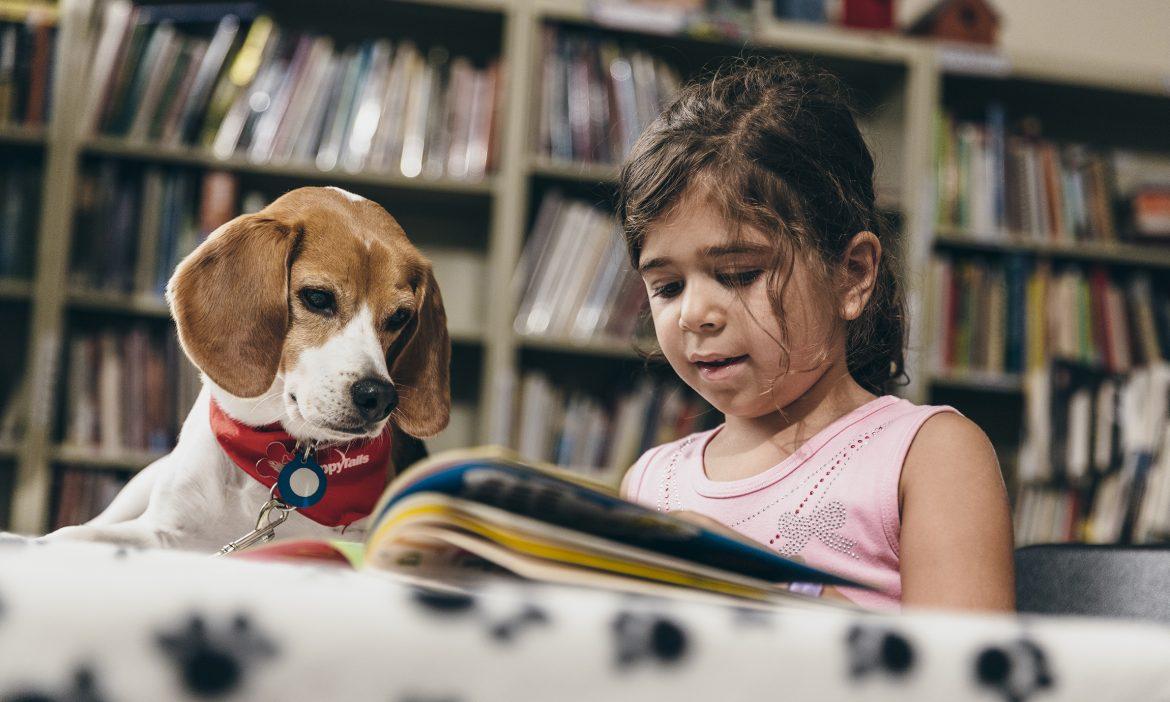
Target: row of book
{"type": "Point", "coordinates": [27, 49]}
{"type": "Point", "coordinates": [228, 79]}
{"type": "Point", "coordinates": [1012, 313]}
{"type": "Point", "coordinates": [602, 436]}
{"type": "Point", "coordinates": [574, 278]}
{"type": "Point", "coordinates": [20, 197]}
{"type": "Point", "coordinates": [128, 388]}
{"type": "Point", "coordinates": [82, 494]}
{"type": "Point", "coordinates": [596, 96]}
{"type": "Point", "coordinates": [1095, 462]}
{"type": "Point", "coordinates": [134, 224]}
{"type": "Point", "coordinates": [995, 184]}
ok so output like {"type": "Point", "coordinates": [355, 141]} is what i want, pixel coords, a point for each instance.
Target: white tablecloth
{"type": "Point", "coordinates": [96, 622]}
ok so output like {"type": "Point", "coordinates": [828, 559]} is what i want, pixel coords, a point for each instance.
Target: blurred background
{"type": "Point", "coordinates": [1023, 157]}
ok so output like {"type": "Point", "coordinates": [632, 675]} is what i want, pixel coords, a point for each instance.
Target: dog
{"type": "Point", "coordinates": [319, 332]}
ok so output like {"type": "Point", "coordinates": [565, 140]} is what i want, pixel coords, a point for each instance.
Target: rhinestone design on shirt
{"type": "Point", "coordinates": [669, 478]}
{"type": "Point", "coordinates": [794, 530]}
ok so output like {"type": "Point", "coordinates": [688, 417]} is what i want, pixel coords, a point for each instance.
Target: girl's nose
{"type": "Point", "coordinates": [702, 311]}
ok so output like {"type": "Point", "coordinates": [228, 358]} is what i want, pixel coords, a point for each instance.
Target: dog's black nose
{"type": "Point", "coordinates": [374, 398]}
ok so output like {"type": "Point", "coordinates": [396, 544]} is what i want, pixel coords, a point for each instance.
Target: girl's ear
{"type": "Point", "coordinates": [862, 256]}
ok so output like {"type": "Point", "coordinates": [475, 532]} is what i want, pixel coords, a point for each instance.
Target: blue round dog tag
{"type": "Point", "coordinates": [301, 482]}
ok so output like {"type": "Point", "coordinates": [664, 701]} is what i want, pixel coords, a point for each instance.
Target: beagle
{"type": "Point", "coordinates": [321, 339]}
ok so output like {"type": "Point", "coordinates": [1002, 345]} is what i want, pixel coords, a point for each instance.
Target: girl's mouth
{"type": "Point", "coordinates": [720, 368]}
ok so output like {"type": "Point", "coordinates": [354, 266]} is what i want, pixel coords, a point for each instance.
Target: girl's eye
{"type": "Point", "coordinates": [738, 279]}
{"type": "Point", "coordinates": [397, 320]}
{"type": "Point", "coordinates": [667, 290]}
{"type": "Point", "coordinates": [319, 301]}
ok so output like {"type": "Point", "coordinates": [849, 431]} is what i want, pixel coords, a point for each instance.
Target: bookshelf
{"type": "Point", "coordinates": [481, 226]}
{"type": "Point", "coordinates": [1071, 477]}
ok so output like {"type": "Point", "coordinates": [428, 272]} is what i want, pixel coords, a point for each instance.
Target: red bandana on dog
{"type": "Point", "coordinates": [356, 475]}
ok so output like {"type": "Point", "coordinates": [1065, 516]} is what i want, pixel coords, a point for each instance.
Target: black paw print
{"type": "Point", "coordinates": [445, 603]}
{"type": "Point", "coordinates": [1016, 670]}
{"type": "Point", "coordinates": [83, 690]}
{"type": "Point", "coordinates": [641, 636]}
{"type": "Point", "coordinates": [873, 649]}
{"type": "Point", "coordinates": [212, 663]}
{"type": "Point", "coordinates": [507, 629]}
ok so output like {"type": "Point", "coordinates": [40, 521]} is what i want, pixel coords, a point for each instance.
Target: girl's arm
{"type": "Point", "coordinates": [956, 538]}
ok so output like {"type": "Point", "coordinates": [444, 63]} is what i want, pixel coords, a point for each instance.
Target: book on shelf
{"type": "Point", "coordinates": [133, 224]}
{"type": "Point", "coordinates": [128, 389]}
{"type": "Point", "coordinates": [20, 195]}
{"type": "Point", "coordinates": [14, 419]}
{"type": "Point", "coordinates": [596, 96]}
{"type": "Point", "coordinates": [229, 79]}
{"type": "Point", "coordinates": [458, 515]}
{"type": "Point", "coordinates": [597, 435]}
{"type": "Point", "coordinates": [27, 46]}
{"type": "Point", "coordinates": [997, 315]}
{"type": "Point", "coordinates": [574, 278]}
{"type": "Point", "coordinates": [1095, 461]}
{"type": "Point", "coordinates": [996, 184]}
{"type": "Point", "coordinates": [82, 494]}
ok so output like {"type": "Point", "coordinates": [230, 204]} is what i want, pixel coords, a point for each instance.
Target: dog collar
{"type": "Point", "coordinates": [332, 485]}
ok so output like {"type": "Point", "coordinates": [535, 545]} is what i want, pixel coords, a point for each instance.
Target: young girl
{"type": "Point", "coordinates": [748, 208]}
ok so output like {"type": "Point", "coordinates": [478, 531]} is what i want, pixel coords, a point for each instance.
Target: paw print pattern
{"type": "Point", "coordinates": [875, 649]}
{"type": "Point", "coordinates": [645, 636]}
{"type": "Point", "coordinates": [444, 603]}
{"type": "Point", "coordinates": [507, 629]}
{"type": "Point", "coordinates": [1016, 670]}
{"type": "Point", "coordinates": [212, 663]}
{"type": "Point", "coordinates": [82, 690]}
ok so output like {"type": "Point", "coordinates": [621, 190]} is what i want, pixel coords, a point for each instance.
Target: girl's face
{"type": "Point", "coordinates": [714, 322]}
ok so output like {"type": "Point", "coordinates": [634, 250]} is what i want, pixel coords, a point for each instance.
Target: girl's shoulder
{"type": "Point", "coordinates": [659, 458]}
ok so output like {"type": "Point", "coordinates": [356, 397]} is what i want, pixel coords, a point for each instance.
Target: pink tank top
{"type": "Point", "coordinates": [832, 504]}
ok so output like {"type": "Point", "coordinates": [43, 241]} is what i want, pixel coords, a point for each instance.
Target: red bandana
{"type": "Point", "coordinates": [355, 475]}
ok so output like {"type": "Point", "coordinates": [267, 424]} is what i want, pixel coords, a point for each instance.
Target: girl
{"type": "Point", "coordinates": [748, 209]}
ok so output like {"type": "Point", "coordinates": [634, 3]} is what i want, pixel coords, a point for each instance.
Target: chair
{"type": "Point", "coordinates": [1108, 581]}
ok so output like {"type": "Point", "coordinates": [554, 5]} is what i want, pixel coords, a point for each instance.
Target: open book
{"type": "Point", "coordinates": [456, 515]}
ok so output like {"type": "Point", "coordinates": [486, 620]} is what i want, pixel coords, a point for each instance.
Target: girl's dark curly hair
{"type": "Point", "coordinates": [774, 144]}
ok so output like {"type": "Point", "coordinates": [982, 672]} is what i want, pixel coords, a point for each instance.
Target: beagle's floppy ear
{"type": "Point", "coordinates": [421, 366]}
{"type": "Point", "coordinates": [229, 298]}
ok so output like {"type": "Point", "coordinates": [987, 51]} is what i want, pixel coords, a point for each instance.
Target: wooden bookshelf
{"type": "Point", "coordinates": [95, 458]}
{"type": "Point", "coordinates": [153, 153]}
{"type": "Point", "coordinates": [587, 173]}
{"type": "Point", "coordinates": [141, 305]}
{"type": "Point", "coordinates": [15, 289]}
{"type": "Point", "coordinates": [1006, 383]}
{"type": "Point", "coordinates": [602, 347]}
{"type": "Point", "coordinates": [903, 78]}
{"type": "Point", "coordinates": [1106, 252]}
{"type": "Point", "coordinates": [22, 135]}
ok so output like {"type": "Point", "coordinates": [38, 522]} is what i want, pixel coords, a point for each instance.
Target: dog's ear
{"type": "Point", "coordinates": [229, 298]}
{"type": "Point", "coordinates": [421, 366]}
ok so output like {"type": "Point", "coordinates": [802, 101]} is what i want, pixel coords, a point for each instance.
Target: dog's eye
{"type": "Point", "coordinates": [319, 301]}
{"type": "Point", "coordinates": [396, 321]}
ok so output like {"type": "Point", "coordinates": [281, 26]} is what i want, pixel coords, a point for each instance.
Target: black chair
{"type": "Point", "coordinates": [1107, 581]}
